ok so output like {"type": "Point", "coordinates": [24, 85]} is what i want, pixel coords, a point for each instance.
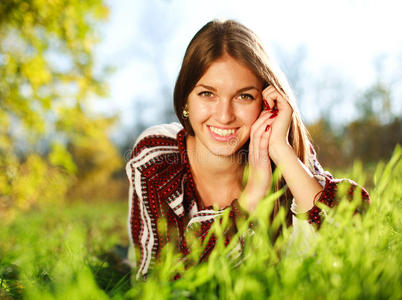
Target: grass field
{"type": "Point", "coordinates": [76, 251]}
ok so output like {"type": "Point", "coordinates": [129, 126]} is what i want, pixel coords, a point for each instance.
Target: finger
{"type": "Point", "coordinates": [260, 127]}
{"type": "Point", "coordinates": [264, 142]}
{"type": "Point", "coordinates": [265, 105]}
{"type": "Point", "coordinates": [254, 141]}
{"type": "Point", "coordinates": [268, 89]}
{"type": "Point", "coordinates": [260, 132]}
{"type": "Point", "coordinates": [265, 119]}
{"type": "Point", "coordinates": [262, 119]}
{"type": "Point", "coordinates": [251, 154]}
{"type": "Point", "coordinates": [261, 152]}
{"type": "Point", "coordinates": [283, 104]}
{"type": "Point", "coordinates": [275, 99]}
{"type": "Point", "coordinates": [260, 140]}
{"type": "Point", "coordinates": [270, 93]}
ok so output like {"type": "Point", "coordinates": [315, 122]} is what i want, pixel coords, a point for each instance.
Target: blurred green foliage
{"type": "Point", "coordinates": [371, 137]}
{"type": "Point", "coordinates": [47, 78]}
{"type": "Point", "coordinates": [66, 252]}
{"type": "Point", "coordinates": [52, 145]}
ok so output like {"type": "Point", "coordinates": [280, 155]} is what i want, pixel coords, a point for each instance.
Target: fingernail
{"type": "Point", "coordinates": [273, 116]}
{"type": "Point", "coordinates": [266, 105]}
{"type": "Point", "coordinates": [266, 128]}
{"type": "Point", "coordinates": [275, 105]}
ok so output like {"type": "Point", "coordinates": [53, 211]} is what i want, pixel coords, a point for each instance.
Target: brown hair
{"type": "Point", "coordinates": [214, 40]}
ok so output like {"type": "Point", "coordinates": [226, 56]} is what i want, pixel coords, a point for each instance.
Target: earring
{"type": "Point", "coordinates": [185, 112]}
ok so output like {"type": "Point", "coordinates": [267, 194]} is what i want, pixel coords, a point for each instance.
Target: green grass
{"type": "Point", "coordinates": [76, 252]}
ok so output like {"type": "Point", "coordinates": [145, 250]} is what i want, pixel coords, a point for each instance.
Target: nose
{"type": "Point", "coordinates": [224, 112]}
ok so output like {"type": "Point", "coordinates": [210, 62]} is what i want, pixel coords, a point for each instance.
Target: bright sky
{"type": "Point", "coordinates": [145, 41]}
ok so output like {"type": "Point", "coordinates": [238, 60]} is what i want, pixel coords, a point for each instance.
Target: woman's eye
{"type": "Point", "coordinates": [206, 93]}
{"type": "Point", "coordinates": [247, 97]}
{"type": "Point", "coordinates": [242, 96]}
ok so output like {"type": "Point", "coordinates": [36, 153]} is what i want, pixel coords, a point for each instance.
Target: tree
{"type": "Point", "coordinates": [46, 80]}
{"type": "Point", "coordinates": [374, 135]}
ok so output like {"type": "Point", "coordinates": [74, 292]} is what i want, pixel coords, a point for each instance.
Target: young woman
{"type": "Point", "coordinates": [235, 108]}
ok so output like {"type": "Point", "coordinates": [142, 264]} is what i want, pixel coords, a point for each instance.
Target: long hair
{"type": "Point", "coordinates": [214, 40]}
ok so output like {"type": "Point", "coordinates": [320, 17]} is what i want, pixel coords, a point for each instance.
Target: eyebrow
{"type": "Point", "coordinates": [239, 91]}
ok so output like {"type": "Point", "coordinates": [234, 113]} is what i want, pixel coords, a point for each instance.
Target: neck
{"type": "Point", "coordinates": [209, 167]}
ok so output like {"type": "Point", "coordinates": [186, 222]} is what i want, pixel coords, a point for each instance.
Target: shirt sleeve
{"type": "Point", "coordinates": [134, 225]}
{"type": "Point", "coordinates": [139, 230]}
{"type": "Point", "coordinates": [329, 195]}
{"type": "Point", "coordinates": [146, 214]}
{"type": "Point", "coordinates": [142, 216]}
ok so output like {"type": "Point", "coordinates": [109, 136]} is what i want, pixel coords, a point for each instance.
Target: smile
{"type": "Point", "coordinates": [220, 134]}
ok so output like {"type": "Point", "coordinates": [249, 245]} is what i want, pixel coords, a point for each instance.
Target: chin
{"type": "Point", "coordinates": [226, 149]}
{"type": "Point", "coordinates": [220, 151]}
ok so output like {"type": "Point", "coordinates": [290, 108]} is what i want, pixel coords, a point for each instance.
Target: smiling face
{"type": "Point", "coordinates": [223, 105]}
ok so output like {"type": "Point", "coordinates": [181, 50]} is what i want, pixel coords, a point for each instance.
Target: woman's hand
{"type": "Point", "coordinates": [281, 114]}
{"type": "Point", "coordinates": [269, 132]}
{"type": "Point", "coordinates": [302, 184]}
{"type": "Point", "coordinates": [269, 140]}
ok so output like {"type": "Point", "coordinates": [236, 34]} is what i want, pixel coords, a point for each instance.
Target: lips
{"type": "Point", "coordinates": [222, 134]}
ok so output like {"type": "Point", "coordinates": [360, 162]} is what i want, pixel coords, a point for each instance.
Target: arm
{"type": "Point", "coordinates": [329, 195]}
{"type": "Point", "coordinates": [144, 206]}
{"type": "Point", "coordinates": [301, 182]}
{"type": "Point", "coordinates": [137, 227]}
{"type": "Point", "coordinates": [306, 189]}
{"type": "Point", "coordinates": [308, 185]}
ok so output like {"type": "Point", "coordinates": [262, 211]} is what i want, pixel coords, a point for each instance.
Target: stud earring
{"type": "Point", "coordinates": [185, 112]}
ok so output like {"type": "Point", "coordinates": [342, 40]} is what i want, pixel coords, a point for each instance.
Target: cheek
{"type": "Point", "coordinates": [249, 115]}
{"type": "Point", "coordinates": [203, 110]}
{"type": "Point", "coordinates": [199, 112]}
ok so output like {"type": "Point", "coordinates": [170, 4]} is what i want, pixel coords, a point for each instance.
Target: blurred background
{"type": "Point", "coordinates": [79, 80]}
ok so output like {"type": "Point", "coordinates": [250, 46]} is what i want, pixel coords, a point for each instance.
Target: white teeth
{"type": "Point", "coordinates": [222, 132]}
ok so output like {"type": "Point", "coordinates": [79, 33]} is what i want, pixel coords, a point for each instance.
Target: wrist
{"type": "Point", "coordinates": [249, 199]}
{"type": "Point", "coordinates": [280, 151]}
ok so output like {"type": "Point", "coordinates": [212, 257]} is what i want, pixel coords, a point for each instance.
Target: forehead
{"type": "Point", "coordinates": [227, 71]}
